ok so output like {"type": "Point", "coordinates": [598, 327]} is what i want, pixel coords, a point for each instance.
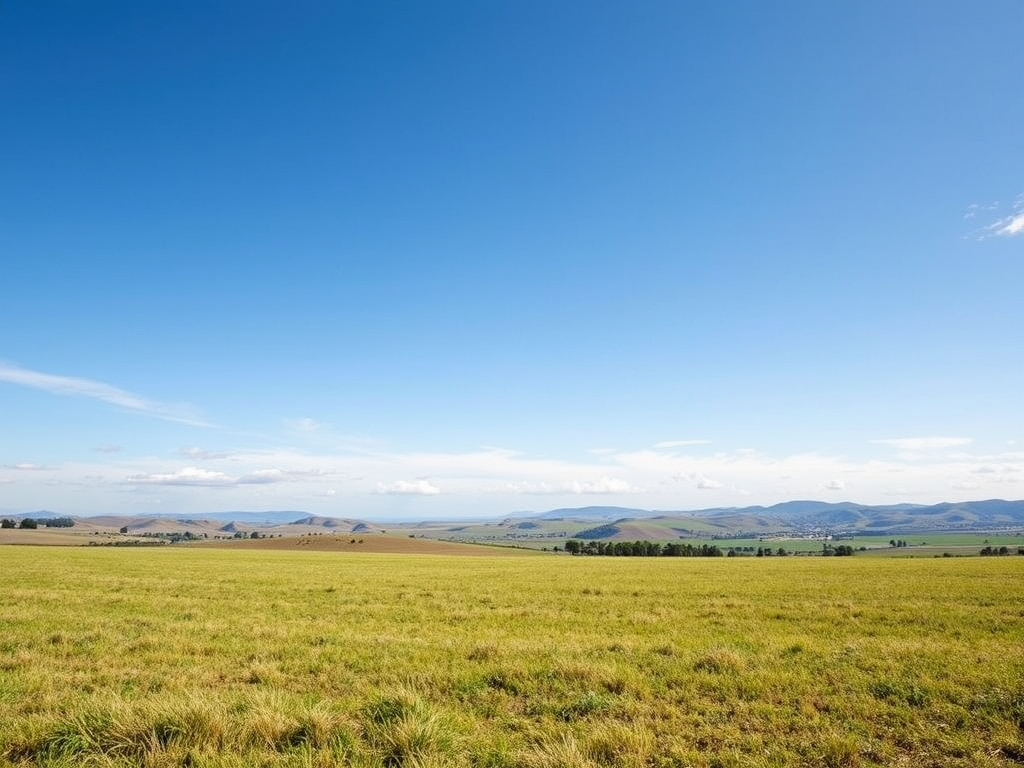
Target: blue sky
{"type": "Point", "coordinates": [407, 260]}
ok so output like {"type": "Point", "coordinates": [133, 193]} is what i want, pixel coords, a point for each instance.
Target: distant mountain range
{"type": "Point", "coordinates": [808, 515]}
{"type": "Point", "coordinates": [604, 522]}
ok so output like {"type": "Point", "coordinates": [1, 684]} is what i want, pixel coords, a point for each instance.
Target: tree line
{"type": "Point", "coordinates": [646, 548]}
{"type": "Point", "coordinates": [640, 549]}
{"type": "Point", "coordinates": [31, 523]}
{"type": "Point", "coordinates": [998, 551]}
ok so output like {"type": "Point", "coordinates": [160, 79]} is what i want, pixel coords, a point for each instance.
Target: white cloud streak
{"type": "Point", "coordinates": [409, 488]}
{"type": "Point", "coordinates": [924, 443]}
{"type": "Point", "coordinates": [97, 390]}
{"type": "Point", "coordinates": [665, 444]}
{"type": "Point", "coordinates": [208, 478]}
{"type": "Point", "coordinates": [491, 480]}
{"type": "Point", "coordinates": [1011, 225]}
{"type": "Point", "coordinates": [198, 454]}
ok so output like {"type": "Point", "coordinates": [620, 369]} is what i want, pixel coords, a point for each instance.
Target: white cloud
{"type": "Point", "coordinates": [965, 485]}
{"type": "Point", "coordinates": [192, 476]}
{"type": "Point", "coordinates": [972, 210]}
{"type": "Point", "coordinates": [372, 482]}
{"type": "Point", "coordinates": [409, 488]}
{"type": "Point", "coordinates": [897, 492]}
{"type": "Point", "coordinates": [107, 448]}
{"type": "Point", "coordinates": [1010, 225]}
{"type": "Point", "coordinates": [27, 467]}
{"type": "Point", "coordinates": [98, 390]}
{"type": "Point", "coordinates": [263, 477]}
{"type": "Point", "coordinates": [603, 485]}
{"type": "Point", "coordinates": [679, 443]}
{"type": "Point", "coordinates": [526, 488]}
{"type": "Point", "coordinates": [835, 485]}
{"type": "Point", "coordinates": [208, 478]}
{"type": "Point", "coordinates": [924, 443]}
{"type": "Point", "coordinates": [303, 425]}
{"type": "Point", "coordinates": [199, 454]}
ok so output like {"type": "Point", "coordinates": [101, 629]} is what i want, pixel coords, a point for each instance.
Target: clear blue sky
{"type": "Point", "coordinates": [407, 259]}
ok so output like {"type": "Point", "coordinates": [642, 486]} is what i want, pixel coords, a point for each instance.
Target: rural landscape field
{"type": "Point", "coordinates": [230, 657]}
{"type": "Point", "coordinates": [511, 384]}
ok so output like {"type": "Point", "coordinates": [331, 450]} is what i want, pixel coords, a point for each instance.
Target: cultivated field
{"type": "Point", "coordinates": [231, 657]}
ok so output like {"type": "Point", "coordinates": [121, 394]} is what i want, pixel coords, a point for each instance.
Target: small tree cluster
{"type": "Point", "coordinates": [998, 551]}
{"type": "Point", "coordinates": [767, 552]}
{"type": "Point", "coordinates": [641, 549]}
{"type": "Point", "coordinates": [7, 523]}
{"type": "Point", "coordinates": [842, 550]}
{"type": "Point", "coordinates": [897, 542]}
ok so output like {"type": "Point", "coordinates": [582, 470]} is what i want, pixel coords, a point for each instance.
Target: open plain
{"type": "Point", "coordinates": [219, 657]}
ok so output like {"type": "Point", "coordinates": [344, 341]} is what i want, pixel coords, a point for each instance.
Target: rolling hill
{"type": "Point", "coordinates": [791, 518]}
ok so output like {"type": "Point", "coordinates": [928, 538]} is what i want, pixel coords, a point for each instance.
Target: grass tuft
{"type": "Point", "coordinates": [719, 661]}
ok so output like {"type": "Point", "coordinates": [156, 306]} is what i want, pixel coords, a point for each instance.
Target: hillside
{"type": "Point", "coordinates": [792, 518]}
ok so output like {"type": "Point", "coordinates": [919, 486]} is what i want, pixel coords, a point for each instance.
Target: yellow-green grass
{"type": "Point", "coordinates": [918, 544]}
{"type": "Point", "coordinates": [204, 657]}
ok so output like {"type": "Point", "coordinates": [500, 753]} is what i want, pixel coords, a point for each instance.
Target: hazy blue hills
{"type": "Point", "coordinates": [803, 515]}
{"type": "Point", "coordinates": [608, 522]}
{"type": "Point", "coordinates": [592, 513]}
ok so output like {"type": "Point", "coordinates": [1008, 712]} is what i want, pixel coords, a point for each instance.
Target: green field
{"type": "Point", "coordinates": [919, 544]}
{"type": "Point", "coordinates": [199, 657]}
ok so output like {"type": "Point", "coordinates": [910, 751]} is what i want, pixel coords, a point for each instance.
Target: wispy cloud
{"type": "Point", "coordinates": [198, 454]}
{"type": "Point", "coordinates": [409, 488]}
{"type": "Point", "coordinates": [975, 208]}
{"type": "Point", "coordinates": [98, 390]}
{"type": "Point", "coordinates": [708, 483]}
{"type": "Point", "coordinates": [208, 478]}
{"type": "Point", "coordinates": [189, 476]}
{"type": "Point", "coordinates": [375, 483]}
{"type": "Point", "coordinates": [107, 448]}
{"type": "Point", "coordinates": [27, 467]}
{"type": "Point", "coordinates": [600, 486]}
{"type": "Point", "coordinates": [679, 443]}
{"type": "Point", "coordinates": [304, 424]}
{"type": "Point", "coordinates": [923, 443]}
{"type": "Point", "coordinates": [1010, 225]}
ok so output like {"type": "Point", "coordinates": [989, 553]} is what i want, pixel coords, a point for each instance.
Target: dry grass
{"type": "Point", "coordinates": [229, 658]}
{"type": "Point", "coordinates": [367, 543]}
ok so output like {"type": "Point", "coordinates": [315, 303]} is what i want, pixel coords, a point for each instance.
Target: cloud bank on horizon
{"type": "Point", "coordinates": [667, 474]}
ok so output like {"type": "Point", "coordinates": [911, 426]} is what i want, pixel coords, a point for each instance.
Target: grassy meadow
{"type": "Point", "coordinates": [220, 657]}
